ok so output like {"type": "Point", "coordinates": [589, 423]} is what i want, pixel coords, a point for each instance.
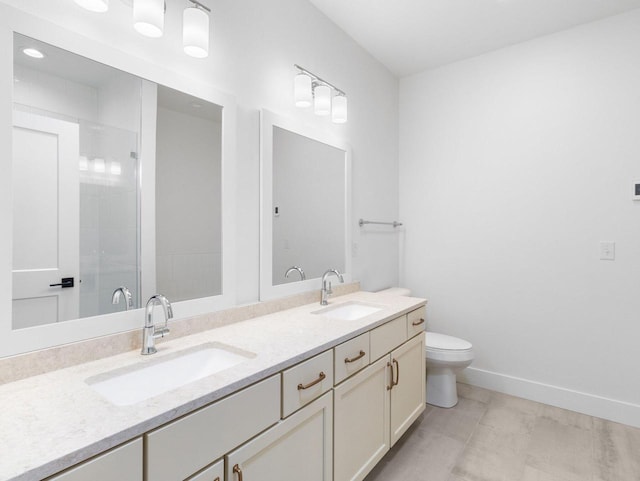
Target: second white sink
{"type": "Point", "coordinates": [349, 311]}
{"type": "Point", "coordinates": [131, 385]}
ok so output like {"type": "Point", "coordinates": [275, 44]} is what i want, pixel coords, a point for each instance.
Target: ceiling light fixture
{"type": "Point", "coordinates": [148, 17]}
{"type": "Point", "coordinates": [32, 52]}
{"type": "Point", "coordinates": [195, 30]}
{"type": "Point", "coordinates": [327, 99]}
{"type": "Point", "coordinates": [99, 6]}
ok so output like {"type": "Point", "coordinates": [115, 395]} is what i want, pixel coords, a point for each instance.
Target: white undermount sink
{"type": "Point", "coordinates": [127, 386]}
{"type": "Point", "coordinates": [349, 311]}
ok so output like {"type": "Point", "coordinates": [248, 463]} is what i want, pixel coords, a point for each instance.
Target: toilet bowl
{"type": "Point", "coordinates": [445, 357]}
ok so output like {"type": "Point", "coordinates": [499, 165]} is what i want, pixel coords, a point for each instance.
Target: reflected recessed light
{"type": "Point", "coordinates": [32, 52]}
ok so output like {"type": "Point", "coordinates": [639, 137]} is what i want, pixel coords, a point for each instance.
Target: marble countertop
{"type": "Point", "coordinates": [55, 420]}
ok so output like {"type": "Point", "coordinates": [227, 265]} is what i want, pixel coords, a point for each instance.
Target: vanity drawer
{"type": "Point", "coordinates": [387, 337]}
{"type": "Point", "coordinates": [123, 463]}
{"type": "Point", "coordinates": [350, 357]}
{"type": "Point", "coordinates": [307, 381]}
{"type": "Point", "coordinates": [416, 321]}
{"type": "Point", "coordinates": [183, 447]}
{"type": "Point", "coordinates": [212, 473]}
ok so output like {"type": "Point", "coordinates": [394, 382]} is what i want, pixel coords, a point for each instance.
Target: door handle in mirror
{"type": "Point", "coordinates": [64, 282]}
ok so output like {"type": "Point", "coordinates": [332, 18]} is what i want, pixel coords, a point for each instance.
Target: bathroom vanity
{"type": "Point", "coordinates": [322, 392]}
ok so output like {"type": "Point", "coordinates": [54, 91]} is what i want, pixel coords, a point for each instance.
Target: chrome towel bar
{"type": "Point", "coordinates": [395, 224]}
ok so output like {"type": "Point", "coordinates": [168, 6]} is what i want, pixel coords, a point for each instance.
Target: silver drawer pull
{"type": "Point", "coordinates": [421, 321]}
{"type": "Point", "coordinates": [301, 386]}
{"type": "Point", "coordinates": [354, 359]}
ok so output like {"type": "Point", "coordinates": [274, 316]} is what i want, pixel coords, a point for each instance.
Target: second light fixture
{"type": "Point", "coordinates": [325, 97]}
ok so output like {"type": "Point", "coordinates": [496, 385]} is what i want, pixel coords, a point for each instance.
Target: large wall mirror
{"type": "Point", "coordinates": [305, 206]}
{"type": "Point", "coordinates": [118, 185]}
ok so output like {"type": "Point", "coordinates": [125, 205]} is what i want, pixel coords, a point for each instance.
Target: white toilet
{"type": "Point", "coordinates": [445, 356]}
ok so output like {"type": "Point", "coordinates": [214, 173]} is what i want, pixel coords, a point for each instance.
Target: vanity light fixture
{"type": "Point", "coordinates": [32, 52]}
{"type": "Point", "coordinates": [99, 6]}
{"type": "Point", "coordinates": [116, 168]}
{"type": "Point", "coordinates": [148, 17]}
{"type": "Point", "coordinates": [195, 30]}
{"type": "Point", "coordinates": [327, 99]}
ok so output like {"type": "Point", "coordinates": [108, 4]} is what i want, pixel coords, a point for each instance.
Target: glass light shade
{"type": "Point", "coordinates": [83, 163]}
{"type": "Point", "coordinates": [339, 109]}
{"type": "Point", "coordinates": [302, 90]}
{"type": "Point", "coordinates": [195, 32]}
{"type": "Point", "coordinates": [148, 17]}
{"type": "Point", "coordinates": [99, 6]}
{"type": "Point", "coordinates": [322, 100]}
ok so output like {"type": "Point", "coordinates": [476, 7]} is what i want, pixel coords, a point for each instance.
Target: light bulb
{"type": "Point", "coordinates": [322, 100]}
{"type": "Point", "coordinates": [32, 52]}
{"type": "Point", "coordinates": [99, 6]}
{"type": "Point", "coordinates": [302, 90]}
{"type": "Point", "coordinates": [195, 32]}
{"type": "Point", "coordinates": [339, 109]}
{"type": "Point", "coordinates": [148, 17]}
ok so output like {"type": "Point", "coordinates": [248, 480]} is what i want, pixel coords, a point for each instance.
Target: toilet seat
{"type": "Point", "coordinates": [448, 349]}
{"type": "Point", "coordinates": [435, 341]}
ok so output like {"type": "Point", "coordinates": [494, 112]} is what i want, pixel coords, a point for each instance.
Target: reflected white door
{"type": "Point", "coordinates": [45, 219]}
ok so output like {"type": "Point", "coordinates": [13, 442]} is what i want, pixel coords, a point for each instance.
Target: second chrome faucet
{"type": "Point", "coordinates": [326, 285]}
{"type": "Point", "coordinates": [150, 332]}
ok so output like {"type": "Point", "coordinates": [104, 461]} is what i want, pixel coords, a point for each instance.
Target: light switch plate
{"type": "Point", "coordinates": [607, 251]}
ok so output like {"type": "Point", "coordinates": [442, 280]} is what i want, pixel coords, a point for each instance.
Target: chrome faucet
{"type": "Point", "coordinates": [295, 268]}
{"type": "Point", "coordinates": [150, 332]}
{"type": "Point", "coordinates": [326, 285]}
{"type": "Point", "coordinates": [122, 291]}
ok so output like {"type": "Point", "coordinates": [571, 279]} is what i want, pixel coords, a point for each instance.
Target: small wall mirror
{"type": "Point", "coordinates": [305, 211]}
{"type": "Point", "coordinates": [117, 184]}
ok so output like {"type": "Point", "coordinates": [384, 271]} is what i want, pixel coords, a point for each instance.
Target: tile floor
{"type": "Point", "coordinates": [490, 436]}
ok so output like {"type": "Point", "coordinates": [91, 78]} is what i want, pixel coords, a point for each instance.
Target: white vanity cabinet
{"type": "Point", "coordinates": [377, 405]}
{"type": "Point", "coordinates": [183, 447]}
{"type": "Point", "coordinates": [123, 463]}
{"type": "Point", "coordinates": [297, 448]}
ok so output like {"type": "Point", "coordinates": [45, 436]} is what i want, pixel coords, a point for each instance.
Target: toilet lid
{"type": "Point", "coordinates": [433, 340]}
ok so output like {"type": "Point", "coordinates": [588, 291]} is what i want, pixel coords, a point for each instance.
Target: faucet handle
{"type": "Point", "coordinates": [164, 331]}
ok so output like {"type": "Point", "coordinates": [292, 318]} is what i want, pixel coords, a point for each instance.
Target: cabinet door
{"type": "Point", "coordinates": [408, 392]}
{"type": "Point", "coordinates": [123, 463]}
{"type": "Point", "coordinates": [361, 421]}
{"type": "Point", "coordinates": [294, 449]}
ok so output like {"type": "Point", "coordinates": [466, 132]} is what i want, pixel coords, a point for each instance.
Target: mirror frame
{"type": "Point", "coordinates": [269, 120]}
{"type": "Point", "coordinates": [13, 342]}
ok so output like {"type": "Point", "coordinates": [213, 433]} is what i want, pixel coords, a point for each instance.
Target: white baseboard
{"type": "Point", "coordinates": [611, 409]}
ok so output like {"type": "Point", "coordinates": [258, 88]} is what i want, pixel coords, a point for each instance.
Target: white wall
{"type": "Point", "coordinates": [254, 46]}
{"type": "Point", "coordinates": [513, 167]}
